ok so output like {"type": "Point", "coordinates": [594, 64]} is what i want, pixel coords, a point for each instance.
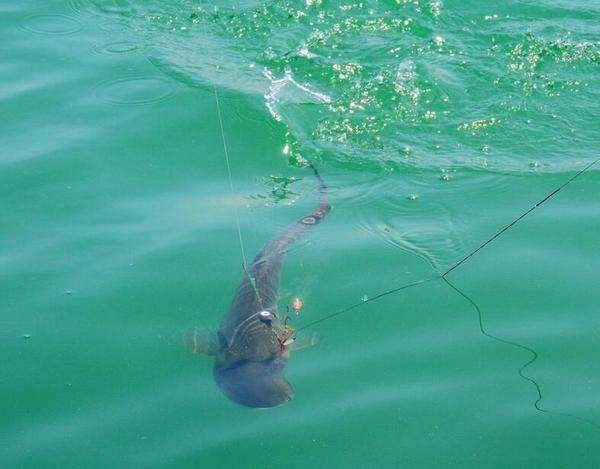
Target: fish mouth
{"type": "Point", "coordinates": [253, 384]}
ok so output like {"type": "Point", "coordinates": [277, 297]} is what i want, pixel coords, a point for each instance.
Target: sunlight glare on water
{"type": "Point", "coordinates": [433, 124]}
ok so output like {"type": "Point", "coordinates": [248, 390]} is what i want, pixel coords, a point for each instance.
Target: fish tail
{"type": "Point", "coordinates": [259, 289]}
{"type": "Point", "coordinates": [323, 206]}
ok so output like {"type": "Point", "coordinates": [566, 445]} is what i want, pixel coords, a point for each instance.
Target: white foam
{"type": "Point", "coordinates": [276, 93]}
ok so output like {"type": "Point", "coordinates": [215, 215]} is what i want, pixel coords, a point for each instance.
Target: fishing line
{"type": "Point", "coordinates": [519, 218]}
{"type": "Point", "coordinates": [533, 353]}
{"type": "Point", "coordinates": [521, 371]}
{"type": "Point", "coordinates": [461, 261]}
{"type": "Point", "coordinates": [443, 276]}
{"type": "Point", "coordinates": [228, 164]}
{"type": "Point", "coordinates": [226, 153]}
{"type": "Point", "coordinates": [368, 300]}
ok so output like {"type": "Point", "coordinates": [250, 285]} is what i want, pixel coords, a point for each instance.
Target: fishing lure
{"type": "Point", "coordinates": [297, 305]}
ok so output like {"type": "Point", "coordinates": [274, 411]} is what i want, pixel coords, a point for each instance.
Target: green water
{"type": "Point", "coordinates": [433, 123]}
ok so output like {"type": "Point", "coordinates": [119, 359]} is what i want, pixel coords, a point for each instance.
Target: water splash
{"type": "Point", "coordinates": [386, 75]}
{"type": "Point", "coordinates": [281, 89]}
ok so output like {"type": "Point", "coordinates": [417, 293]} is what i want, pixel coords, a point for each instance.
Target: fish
{"type": "Point", "coordinates": [252, 345]}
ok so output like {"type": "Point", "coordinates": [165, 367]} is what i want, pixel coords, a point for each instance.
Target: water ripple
{"type": "Point", "coordinates": [52, 25]}
{"type": "Point", "coordinates": [117, 47]}
{"type": "Point", "coordinates": [136, 90]}
{"type": "Point", "coordinates": [384, 77]}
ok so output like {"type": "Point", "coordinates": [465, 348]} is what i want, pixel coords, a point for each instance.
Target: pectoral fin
{"type": "Point", "coordinates": [202, 341]}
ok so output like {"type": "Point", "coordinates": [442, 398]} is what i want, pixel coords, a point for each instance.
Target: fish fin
{"type": "Point", "coordinates": [202, 341]}
{"type": "Point", "coordinates": [303, 342]}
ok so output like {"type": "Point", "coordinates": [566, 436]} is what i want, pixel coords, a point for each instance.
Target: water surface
{"type": "Point", "coordinates": [433, 123]}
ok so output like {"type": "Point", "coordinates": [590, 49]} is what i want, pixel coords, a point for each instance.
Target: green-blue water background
{"type": "Point", "coordinates": [433, 123]}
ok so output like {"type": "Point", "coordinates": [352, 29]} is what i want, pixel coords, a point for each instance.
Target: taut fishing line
{"type": "Point", "coordinates": [457, 264]}
{"type": "Point", "coordinates": [227, 163]}
{"type": "Point", "coordinates": [443, 276]}
{"type": "Point", "coordinates": [226, 153]}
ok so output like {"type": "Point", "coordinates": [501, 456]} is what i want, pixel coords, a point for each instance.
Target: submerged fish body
{"type": "Point", "coordinates": [250, 353]}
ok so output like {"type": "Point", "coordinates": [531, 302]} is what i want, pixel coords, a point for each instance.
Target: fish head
{"type": "Point", "coordinates": [255, 383]}
{"type": "Point", "coordinates": [250, 365]}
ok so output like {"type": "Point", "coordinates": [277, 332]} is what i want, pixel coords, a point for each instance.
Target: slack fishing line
{"type": "Point", "coordinates": [457, 264]}
{"type": "Point", "coordinates": [533, 356]}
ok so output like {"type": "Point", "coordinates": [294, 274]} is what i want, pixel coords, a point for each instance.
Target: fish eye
{"type": "Point", "coordinates": [266, 316]}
